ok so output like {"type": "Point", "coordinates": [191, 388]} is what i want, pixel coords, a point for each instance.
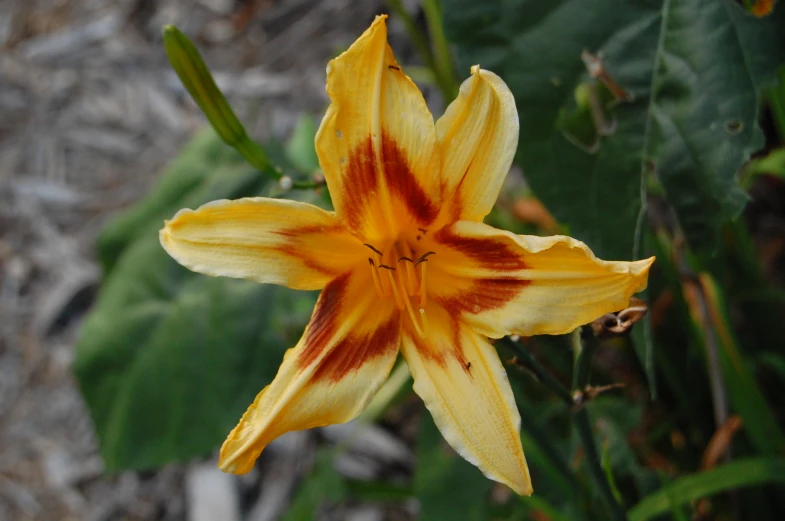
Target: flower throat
{"type": "Point", "coordinates": [399, 274]}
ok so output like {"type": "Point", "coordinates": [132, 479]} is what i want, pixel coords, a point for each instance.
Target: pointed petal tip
{"type": "Point", "coordinates": [524, 488]}
{"type": "Point", "coordinates": [521, 483]}
{"type": "Point", "coordinates": [233, 463]}
{"type": "Point", "coordinates": [640, 270]}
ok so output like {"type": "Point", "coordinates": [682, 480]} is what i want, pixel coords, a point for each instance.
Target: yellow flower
{"type": "Point", "coordinates": [405, 263]}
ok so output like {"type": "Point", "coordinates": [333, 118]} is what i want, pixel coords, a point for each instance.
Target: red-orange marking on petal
{"type": "Point", "coordinates": [302, 231]}
{"type": "Point", "coordinates": [402, 181]}
{"type": "Point", "coordinates": [484, 295]}
{"type": "Point", "coordinates": [361, 179]}
{"type": "Point", "coordinates": [323, 324]}
{"type": "Point", "coordinates": [428, 351]}
{"type": "Point", "coordinates": [298, 249]}
{"type": "Point", "coordinates": [457, 348]}
{"type": "Point", "coordinates": [491, 253]}
{"type": "Point", "coordinates": [352, 352]}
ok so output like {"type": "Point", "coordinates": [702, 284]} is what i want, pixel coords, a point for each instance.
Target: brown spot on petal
{"type": "Point", "coordinates": [351, 353]}
{"type": "Point", "coordinates": [323, 324]}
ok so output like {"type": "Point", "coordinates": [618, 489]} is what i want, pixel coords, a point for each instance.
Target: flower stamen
{"type": "Point", "coordinates": [376, 282]}
{"type": "Point", "coordinates": [399, 301]}
{"type": "Point", "coordinates": [407, 301]}
{"type": "Point", "coordinates": [423, 257]}
{"type": "Point", "coordinates": [411, 276]}
{"type": "Point", "coordinates": [423, 288]}
{"type": "Point", "coordinates": [374, 250]}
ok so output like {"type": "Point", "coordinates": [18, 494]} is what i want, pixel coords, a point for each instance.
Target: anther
{"type": "Point", "coordinates": [374, 250]}
{"type": "Point", "coordinates": [387, 267]}
{"type": "Point", "coordinates": [424, 257]}
{"type": "Point", "coordinates": [423, 230]}
{"type": "Point", "coordinates": [405, 258]}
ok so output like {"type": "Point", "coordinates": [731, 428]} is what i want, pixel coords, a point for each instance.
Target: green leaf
{"type": "Point", "coordinates": [300, 149]}
{"type": "Point", "coordinates": [738, 474]}
{"type": "Point", "coordinates": [168, 359]}
{"type": "Point", "coordinates": [695, 69]}
{"type": "Point", "coordinates": [744, 392]}
{"type": "Point", "coordinates": [447, 486]}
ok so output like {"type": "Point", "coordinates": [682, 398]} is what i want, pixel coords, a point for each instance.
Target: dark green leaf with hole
{"type": "Point", "coordinates": [696, 69]}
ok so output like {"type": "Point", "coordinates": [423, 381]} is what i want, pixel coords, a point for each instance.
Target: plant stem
{"type": "Point", "coordinates": [442, 56]}
{"type": "Point", "coordinates": [580, 416]}
{"type": "Point", "coordinates": [540, 372]}
{"type": "Point", "coordinates": [418, 40]}
{"type": "Point", "coordinates": [585, 344]}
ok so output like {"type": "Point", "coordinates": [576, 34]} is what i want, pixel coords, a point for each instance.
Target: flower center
{"type": "Point", "coordinates": [397, 272]}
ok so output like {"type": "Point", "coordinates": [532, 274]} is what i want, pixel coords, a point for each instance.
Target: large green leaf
{"type": "Point", "coordinates": [695, 68]}
{"type": "Point", "coordinates": [168, 359]}
{"type": "Point", "coordinates": [744, 473]}
{"type": "Point", "coordinates": [447, 486]}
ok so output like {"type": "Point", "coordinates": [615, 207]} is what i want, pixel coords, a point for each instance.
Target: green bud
{"type": "Point", "coordinates": [196, 77]}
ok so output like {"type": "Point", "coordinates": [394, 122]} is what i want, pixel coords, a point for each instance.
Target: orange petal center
{"type": "Point", "coordinates": [399, 271]}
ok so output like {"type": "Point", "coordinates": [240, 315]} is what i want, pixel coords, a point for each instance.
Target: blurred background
{"type": "Point", "coordinates": [647, 128]}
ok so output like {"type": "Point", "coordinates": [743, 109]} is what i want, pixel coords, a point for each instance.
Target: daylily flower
{"type": "Point", "coordinates": [405, 264]}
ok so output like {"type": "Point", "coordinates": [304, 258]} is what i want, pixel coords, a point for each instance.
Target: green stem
{"type": "Point", "coordinates": [540, 372]}
{"type": "Point", "coordinates": [585, 344]}
{"type": "Point", "coordinates": [198, 81]}
{"type": "Point", "coordinates": [580, 416]}
{"type": "Point", "coordinates": [777, 103]}
{"type": "Point", "coordinates": [583, 428]}
{"type": "Point", "coordinates": [442, 56]}
{"type": "Point", "coordinates": [419, 41]}
{"type": "Point", "coordinates": [584, 350]}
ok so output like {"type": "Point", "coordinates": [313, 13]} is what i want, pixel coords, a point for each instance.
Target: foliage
{"type": "Point", "coordinates": [634, 154]}
{"type": "Point", "coordinates": [693, 70]}
{"type": "Point", "coordinates": [168, 360]}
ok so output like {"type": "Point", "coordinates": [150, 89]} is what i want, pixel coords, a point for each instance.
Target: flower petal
{"type": "Point", "coordinates": [344, 356]}
{"type": "Point", "coordinates": [264, 240]}
{"type": "Point", "coordinates": [460, 378]}
{"type": "Point", "coordinates": [478, 135]}
{"type": "Point", "coordinates": [504, 284]}
{"type": "Point", "coordinates": [377, 142]}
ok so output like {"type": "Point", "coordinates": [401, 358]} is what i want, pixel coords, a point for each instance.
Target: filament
{"type": "Point", "coordinates": [423, 287]}
{"type": "Point", "coordinates": [399, 301]}
{"type": "Point", "coordinates": [376, 282]}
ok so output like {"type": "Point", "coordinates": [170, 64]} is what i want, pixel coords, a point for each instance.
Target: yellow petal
{"type": "Point", "coordinates": [344, 356]}
{"type": "Point", "coordinates": [265, 240]}
{"type": "Point", "coordinates": [502, 283]}
{"type": "Point", "coordinates": [460, 378]}
{"type": "Point", "coordinates": [478, 136]}
{"type": "Point", "coordinates": [377, 142]}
